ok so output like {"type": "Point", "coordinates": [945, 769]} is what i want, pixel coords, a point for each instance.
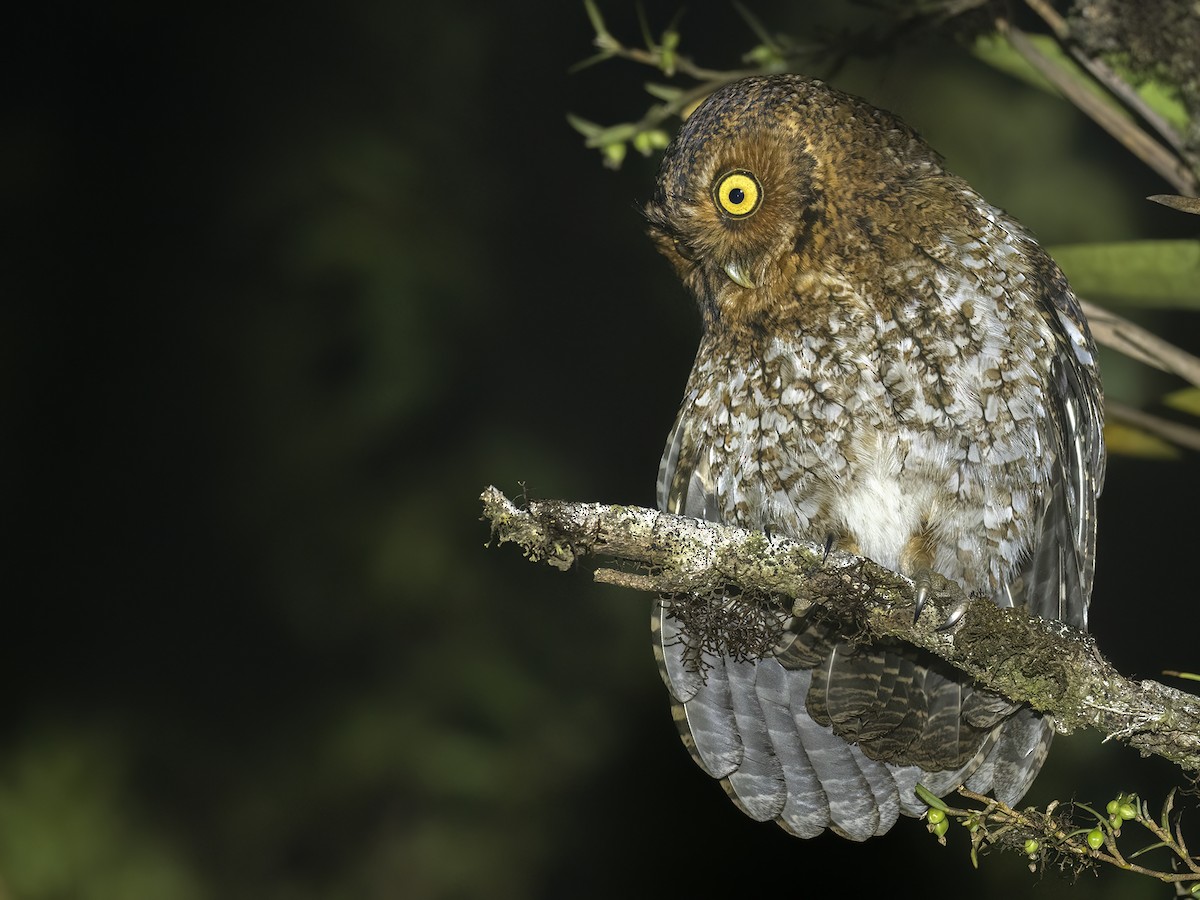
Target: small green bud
{"type": "Point", "coordinates": [1032, 847]}
{"type": "Point", "coordinates": [668, 56]}
{"type": "Point", "coordinates": [659, 139]}
{"type": "Point", "coordinates": [641, 143]}
{"type": "Point", "coordinates": [614, 154]}
{"type": "Point", "coordinates": [934, 816]}
{"type": "Point", "coordinates": [762, 55]}
{"type": "Point", "coordinates": [1127, 811]}
{"type": "Point", "coordinates": [940, 828]}
{"type": "Point", "coordinates": [1095, 838]}
{"type": "Point", "coordinates": [1113, 806]}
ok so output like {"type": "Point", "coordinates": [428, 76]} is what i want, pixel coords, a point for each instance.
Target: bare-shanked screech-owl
{"type": "Point", "coordinates": [893, 367]}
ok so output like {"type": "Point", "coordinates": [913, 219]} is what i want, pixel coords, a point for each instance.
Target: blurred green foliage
{"type": "Point", "coordinates": [290, 288]}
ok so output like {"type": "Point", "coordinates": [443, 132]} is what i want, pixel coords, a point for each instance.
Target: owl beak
{"type": "Point", "coordinates": [738, 275]}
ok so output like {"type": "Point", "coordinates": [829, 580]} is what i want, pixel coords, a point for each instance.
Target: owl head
{"type": "Point", "coordinates": [780, 179]}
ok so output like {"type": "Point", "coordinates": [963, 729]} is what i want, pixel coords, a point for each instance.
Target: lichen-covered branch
{"type": "Point", "coordinates": [1054, 668]}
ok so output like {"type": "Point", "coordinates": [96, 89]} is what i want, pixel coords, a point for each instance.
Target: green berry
{"type": "Point", "coordinates": [940, 828]}
{"type": "Point", "coordinates": [1127, 811]}
{"type": "Point", "coordinates": [1095, 838]}
{"type": "Point", "coordinates": [934, 816]}
{"type": "Point", "coordinates": [1031, 847]}
{"type": "Point", "coordinates": [1112, 807]}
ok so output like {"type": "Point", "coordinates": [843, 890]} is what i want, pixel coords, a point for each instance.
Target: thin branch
{"type": "Point", "coordinates": [1135, 139]}
{"type": "Point", "coordinates": [1054, 668]}
{"type": "Point", "coordinates": [1181, 435]}
{"type": "Point", "coordinates": [1055, 833]}
{"type": "Point", "coordinates": [1104, 74]}
{"type": "Point", "coordinates": [1137, 343]}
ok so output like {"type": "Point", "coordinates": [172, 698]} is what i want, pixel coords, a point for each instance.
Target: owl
{"type": "Point", "coordinates": [892, 367]}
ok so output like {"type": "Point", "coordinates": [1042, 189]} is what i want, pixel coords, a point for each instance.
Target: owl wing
{"type": "Point", "coordinates": [1056, 582]}
{"type": "Point", "coordinates": [819, 735]}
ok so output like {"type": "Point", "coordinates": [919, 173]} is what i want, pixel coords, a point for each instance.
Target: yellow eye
{"type": "Point", "coordinates": [737, 193]}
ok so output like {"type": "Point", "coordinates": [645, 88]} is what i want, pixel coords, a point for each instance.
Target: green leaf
{"type": "Point", "coordinates": [666, 92]}
{"type": "Point", "coordinates": [1186, 400]}
{"type": "Point", "coordinates": [583, 126]}
{"type": "Point", "coordinates": [1146, 274]}
{"type": "Point", "coordinates": [1125, 440]}
{"type": "Point", "coordinates": [593, 14]}
{"type": "Point", "coordinates": [996, 50]}
{"type": "Point", "coordinates": [930, 799]}
{"type": "Point", "coordinates": [1160, 96]}
{"type": "Point", "coordinates": [602, 135]}
{"type": "Point", "coordinates": [600, 57]}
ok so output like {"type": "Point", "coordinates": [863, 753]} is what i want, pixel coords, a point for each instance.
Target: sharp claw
{"type": "Point", "coordinates": [924, 588]}
{"type": "Point", "coordinates": [828, 549]}
{"type": "Point", "coordinates": [953, 618]}
{"type": "Point", "coordinates": [920, 600]}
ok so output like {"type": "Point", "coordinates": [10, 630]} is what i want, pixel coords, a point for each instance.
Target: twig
{"type": "Point", "coordinates": [1136, 342]}
{"type": "Point", "coordinates": [1104, 74]}
{"type": "Point", "coordinates": [1115, 123]}
{"type": "Point", "coordinates": [1183, 435]}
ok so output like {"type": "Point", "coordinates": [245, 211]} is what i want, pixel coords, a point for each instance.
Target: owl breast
{"type": "Point", "coordinates": [919, 454]}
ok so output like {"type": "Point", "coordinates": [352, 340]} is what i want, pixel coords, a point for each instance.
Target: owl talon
{"type": "Point", "coordinates": [955, 615]}
{"type": "Point", "coordinates": [921, 598]}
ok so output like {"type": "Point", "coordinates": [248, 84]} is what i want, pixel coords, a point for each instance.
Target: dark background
{"type": "Point", "coordinates": [287, 286]}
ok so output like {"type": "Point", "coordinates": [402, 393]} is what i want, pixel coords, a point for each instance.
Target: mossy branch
{"type": "Point", "coordinates": [1054, 668]}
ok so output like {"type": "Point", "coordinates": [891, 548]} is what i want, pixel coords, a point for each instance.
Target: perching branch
{"type": "Point", "coordinates": [1054, 668]}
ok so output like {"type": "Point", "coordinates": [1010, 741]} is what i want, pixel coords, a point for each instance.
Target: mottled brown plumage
{"type": "Point", "coordinates": [894, 366]}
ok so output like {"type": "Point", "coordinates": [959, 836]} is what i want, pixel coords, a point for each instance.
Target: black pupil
{"type": "Point", "coordinates": [736, 196]}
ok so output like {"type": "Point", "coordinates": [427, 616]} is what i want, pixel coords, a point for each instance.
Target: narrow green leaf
{"type": "Point", "coordinates": [1161, 97]}
{"type": "Point", "coordinates": [1185, 400]}
{"type": "Point", "coordinates": [602, 135]}
{"type": "Point", "coordinates": [583, 126]}
{"type": "Point", "coordinates": [593, 13]}
{"type": "Point", "coordinates": [600, 57]}
{"type": "Point", "coordinates": [998, 51]}
{"type": "Point", "coordinates": [614, 134]}
{"type": "Point", "coordinates": [930, 799]}
{"type": "Point", "coordinates": [1125, 440]}
{"type": "Point", "coordinates": [1146, 274]}
{"type": "Point", "coordinates": [667, 92]}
